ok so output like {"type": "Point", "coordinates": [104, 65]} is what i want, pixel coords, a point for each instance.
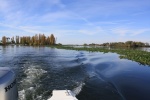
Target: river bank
{"type": "Point", "coordinates": [143, 57]}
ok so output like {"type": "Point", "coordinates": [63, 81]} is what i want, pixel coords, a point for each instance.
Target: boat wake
{"type": "Point", "coordinates": [78, 89]}
{"type": "Point", "coordinates": [30, 84]}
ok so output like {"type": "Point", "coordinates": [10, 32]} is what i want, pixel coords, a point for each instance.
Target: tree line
{"type": "Point", "coordinates": [120, 44]}
{"type": "Point", "coordinates": [37, 39]}
{"type": "Point", "coordinates": [126, 44]}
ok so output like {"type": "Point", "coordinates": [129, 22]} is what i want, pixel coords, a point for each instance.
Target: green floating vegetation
{"type": "Point", "coordinates": [143, 57]}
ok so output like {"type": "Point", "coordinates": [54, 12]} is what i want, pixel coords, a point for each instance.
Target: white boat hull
{"type": "Point", "coordinates": [62, 95]}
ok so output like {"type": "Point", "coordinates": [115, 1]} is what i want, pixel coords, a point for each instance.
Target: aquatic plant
{"type": "Point", "coordinates": [143, 57]}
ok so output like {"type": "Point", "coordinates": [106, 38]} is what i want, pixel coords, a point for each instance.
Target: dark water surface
{"type": "Point", "coordinates": [90, 75]}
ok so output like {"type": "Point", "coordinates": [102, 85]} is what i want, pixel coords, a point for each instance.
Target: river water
{"type": "Point", "coordinates": [90, 75]}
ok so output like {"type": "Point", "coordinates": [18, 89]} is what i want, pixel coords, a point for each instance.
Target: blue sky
{"type": "Point", "coordinates": [77, 21]}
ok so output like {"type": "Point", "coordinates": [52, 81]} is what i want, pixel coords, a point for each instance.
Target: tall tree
{"type": "Point", "coordinates": [52, 39]}
{"type": "Point", "coordinates": [17, 39]}
{"type": "Point", "coordinates": [12, 40]}
{"type": "Point", "coordinates": [36, 38]}
{"type": "Point", "coordinates": [7, 39]}
{"type": "Point", "coordinates": [4, 40]}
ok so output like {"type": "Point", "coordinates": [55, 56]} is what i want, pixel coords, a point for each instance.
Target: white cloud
{"type": "Point", "coordinates": [29, 30]}
{"type": "Point", "coordinates": [107, 8]}
{"type": "Point", "coordinates": [73, 18]}
{"type": "Point", "coordinates": [58, 2]}
{"type": "Point", "coordinates": [140, 13]}
{"type": "Point", "coordinates": [129, 31]}
{"type": "Point", "coordinates": [120, 31]}
{"type": "Point", "coordinates": [52, 17]}
{"type": "Point", "coordinates": [139, 31]}
{"type": "Point", "coordinates": [4, 6]}
{"type": "Point", "coordinates": [91, 31]}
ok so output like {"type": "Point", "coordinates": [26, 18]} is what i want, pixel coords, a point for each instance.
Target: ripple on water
{"type": "Point", "coordinates": [91, 76]}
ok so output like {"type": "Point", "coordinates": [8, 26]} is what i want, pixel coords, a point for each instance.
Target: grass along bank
{"type": "Point", "coordinates": [142, 57]}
